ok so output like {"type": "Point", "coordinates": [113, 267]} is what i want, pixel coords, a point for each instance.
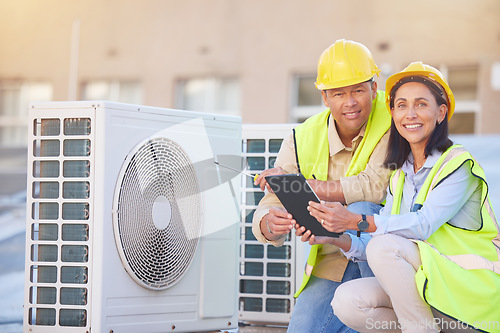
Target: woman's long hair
{"type": "Point", "coordinates": [398, 148]}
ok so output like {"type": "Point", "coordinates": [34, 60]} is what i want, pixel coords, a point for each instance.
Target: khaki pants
{"type": "Point", "coordinates": [389, 302]}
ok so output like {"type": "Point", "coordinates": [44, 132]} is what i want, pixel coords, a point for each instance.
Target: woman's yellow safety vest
{"type": "Point", "coordinates": [460, 271]}
{"type": "Point", "coordinates": [313, 153]}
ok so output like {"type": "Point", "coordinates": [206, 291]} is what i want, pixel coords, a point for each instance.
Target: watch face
{"type": "Point", "coordinates": [363, 225]}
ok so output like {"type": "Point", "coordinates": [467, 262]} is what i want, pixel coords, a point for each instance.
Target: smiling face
{"type": "Point", "coordinates": [350, 107]}
{"type": "Point", "coordinates": [416, 114]}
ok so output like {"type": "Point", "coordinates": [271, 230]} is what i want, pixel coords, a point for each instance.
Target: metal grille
{"type": "Point", "coordinates": [268, 274]}
{"type": "Point", "coordinates": [59, 222]}
{"type": "Point", "coordinates": [158, 213]}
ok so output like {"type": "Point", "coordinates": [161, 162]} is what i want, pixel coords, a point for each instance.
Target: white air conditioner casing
{"type": "Point", "coordinates": [112, 247]}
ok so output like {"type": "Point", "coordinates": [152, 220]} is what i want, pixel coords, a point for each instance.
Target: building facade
{"type": "Point", "coordinates": [256, 59]}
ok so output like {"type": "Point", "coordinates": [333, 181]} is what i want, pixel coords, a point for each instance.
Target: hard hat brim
{"type": "Point", "coordinates": [344, 83]}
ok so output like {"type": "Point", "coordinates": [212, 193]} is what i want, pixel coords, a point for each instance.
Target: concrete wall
{"type": "Point", "coordinates": [263, 43]}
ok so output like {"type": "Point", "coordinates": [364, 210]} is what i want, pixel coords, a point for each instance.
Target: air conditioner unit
{"type": "Point", "coordinates": [131, 226]}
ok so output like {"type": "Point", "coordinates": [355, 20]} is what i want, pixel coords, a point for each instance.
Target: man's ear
{"type": "Point", "coordinates": [325, 100]}
{"type": "Point", "coordinates": [374, 90]}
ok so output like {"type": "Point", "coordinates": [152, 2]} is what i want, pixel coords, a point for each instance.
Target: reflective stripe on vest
{"type": "Point", "coordinates": [313, 153]}
{"type": "Point", "coordinates": [460, 272]}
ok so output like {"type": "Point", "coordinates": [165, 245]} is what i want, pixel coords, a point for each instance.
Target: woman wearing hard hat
{"type": "Point", "coordinates": [435, 248]}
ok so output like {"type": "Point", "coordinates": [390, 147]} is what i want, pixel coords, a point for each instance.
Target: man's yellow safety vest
{"type": "Point", "coordinates": [460, 271]}
{"type": "Point", "coordinates": [313, 153]}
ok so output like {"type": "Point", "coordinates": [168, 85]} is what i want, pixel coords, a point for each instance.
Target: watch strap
{"type": "Point", "coordinates": [363, 218]}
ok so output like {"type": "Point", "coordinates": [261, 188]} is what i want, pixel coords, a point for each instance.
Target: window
{"type": "Point", "coordinates": [463, 81]}
{"type": "Point", "coordinates": [15, 97]}
{"type": "Point", "coordinates": [215, 95]}
{"type": "Point", "coordinates": [306, 99]}
{"type": "Point", "coordinates": [117, 91]}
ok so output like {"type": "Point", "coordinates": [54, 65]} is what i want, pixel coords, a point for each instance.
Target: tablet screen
{"type": "Point", "coordinates": [294, 193]}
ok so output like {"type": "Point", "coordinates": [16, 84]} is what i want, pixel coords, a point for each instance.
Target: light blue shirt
{"type": "Point", "coordinates": [456, 200]}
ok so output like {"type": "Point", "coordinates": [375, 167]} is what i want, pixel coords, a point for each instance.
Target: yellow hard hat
{"type": "Point", "coordinates": [417, 68]}
{"type": "Point", "coordinates": [345, 63]}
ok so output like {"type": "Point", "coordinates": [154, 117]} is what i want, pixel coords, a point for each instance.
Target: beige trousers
{"type": "Point", "coordinates": [388, 302]}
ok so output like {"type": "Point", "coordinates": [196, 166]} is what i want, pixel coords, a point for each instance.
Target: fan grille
{"type": "Point", "coordinates": [158, 216]}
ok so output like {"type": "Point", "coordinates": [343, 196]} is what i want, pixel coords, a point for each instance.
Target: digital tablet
{"type": "Point", "coordinates": [294, 193]}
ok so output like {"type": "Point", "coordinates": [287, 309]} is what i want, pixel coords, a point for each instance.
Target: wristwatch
{"type": "Point", "coordinates": [362, 225]}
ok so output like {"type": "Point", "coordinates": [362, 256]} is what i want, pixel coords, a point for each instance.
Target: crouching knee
{"type": "Point", "coordinates": [380, 249]}
{"type": "Point", "coordinates": [343, 304]}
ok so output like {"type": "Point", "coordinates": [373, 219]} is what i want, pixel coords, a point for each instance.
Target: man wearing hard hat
{"type": "Point", "coordinates": [341, 152]}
